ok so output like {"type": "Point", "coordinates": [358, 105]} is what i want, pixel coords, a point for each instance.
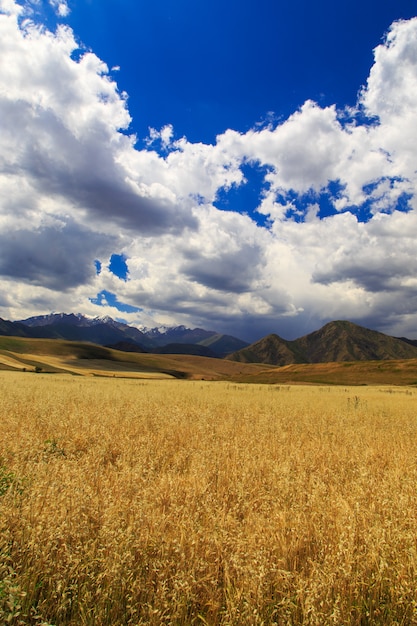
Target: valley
{"type": "Point", "coordinates": [51, 356]}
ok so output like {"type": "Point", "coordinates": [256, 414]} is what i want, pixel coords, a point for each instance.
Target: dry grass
{"type": "Point", "coordinates": [390, 372]}
{"type": "Point", "coordinates": [86, 359]}
{"type": "Point", "coordinates": [169, 502]}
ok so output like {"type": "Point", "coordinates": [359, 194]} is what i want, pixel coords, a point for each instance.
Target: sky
{"type": "Point", "coordinates": [242, 166]}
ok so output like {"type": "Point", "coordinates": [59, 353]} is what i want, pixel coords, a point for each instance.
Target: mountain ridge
{"type": "Point", "coordinates": [109, 332]}
{"type": "Point", "coordinates": [336, 341]}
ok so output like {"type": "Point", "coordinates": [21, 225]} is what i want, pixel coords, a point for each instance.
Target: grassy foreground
{"type": "Point", "coordinates": [173, 502]}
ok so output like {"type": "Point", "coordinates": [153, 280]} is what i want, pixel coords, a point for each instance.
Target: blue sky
{"type": "Point", "coordinates": [248, 167]}
{"type": "Point", "coordinates": [205, 67]}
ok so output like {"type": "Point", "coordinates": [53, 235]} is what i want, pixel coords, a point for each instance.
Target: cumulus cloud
{"type": "Point", "coordinates": [226, 255]}
{"type": "Point", "coordinates": [75, 189]}
{"type": "Point", "coordinates": [61, 123]}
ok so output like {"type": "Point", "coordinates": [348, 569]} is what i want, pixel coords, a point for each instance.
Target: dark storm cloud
{"type": "Point", "coordinates": [56, 258]}
{"type": "Point", "coordinates": [232, 271]}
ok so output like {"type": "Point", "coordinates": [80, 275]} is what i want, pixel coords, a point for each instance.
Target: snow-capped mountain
{"type": "Point", "coordinates": [107, 331]}
{"type": "Point", "coordinates": [77, 327]}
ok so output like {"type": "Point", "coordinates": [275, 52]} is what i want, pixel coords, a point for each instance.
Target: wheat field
{"type": "Point", "coordinates": [177, 502]}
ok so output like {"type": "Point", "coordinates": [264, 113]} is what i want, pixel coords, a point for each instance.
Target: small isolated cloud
{"type": "Point", "coordinates": [163, 136]}
{"type": "Point", "coordinates": [60, 7]}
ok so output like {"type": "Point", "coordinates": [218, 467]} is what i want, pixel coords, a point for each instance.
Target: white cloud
{"type": "Point", "coordinates": [391, 95]}
{"type": "Point", "coordinates": [60, 7]}
{"type": "Point", "coordinates": [164, 135]}
{"type": "Point", "coordinates": [10, 7]}
{"type": "Point", "coordinates": [74, 188]}
{"type": "Point", "coordinates": [60, 123]}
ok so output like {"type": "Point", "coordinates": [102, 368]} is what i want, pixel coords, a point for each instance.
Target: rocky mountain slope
{"type": "Point", "coordinates": [336, 341]}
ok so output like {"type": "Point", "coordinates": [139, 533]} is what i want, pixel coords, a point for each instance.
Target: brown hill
{"type": "Point", "coordinates": [53, 356]}
{"type": "Point", "coordinates": [390, 372]}
{"type": "Point", "coordinates": [73, 357]}
{"type": "Point", "coordinates": [271, 350]}
{"type": "Point", "coordinates": [336, 341]}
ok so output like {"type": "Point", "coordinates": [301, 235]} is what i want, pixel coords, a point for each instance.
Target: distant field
{"type": "Point", "coordinates": [191, 502]}
{"type": "Point", "coordinates": [83, 359]}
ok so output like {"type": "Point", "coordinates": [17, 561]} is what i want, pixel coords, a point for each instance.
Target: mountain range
{"type": "Point", "coordinates": [336, 341]}
{"type": "Point", "coordinates": [106, 331]}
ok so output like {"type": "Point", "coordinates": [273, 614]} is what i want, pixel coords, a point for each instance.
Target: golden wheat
{"type": "Point", "coordinates": [167, 502]}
